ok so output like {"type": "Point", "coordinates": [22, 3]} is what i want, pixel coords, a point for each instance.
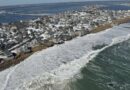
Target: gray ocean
{"type": "Point", "coordinates": [106, 68]}
{"type": "Point", "coordinates": [109, 70]}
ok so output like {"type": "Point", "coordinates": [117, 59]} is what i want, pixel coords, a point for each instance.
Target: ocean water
{"type": "Point", "coordinates": [109, 70]}
{"type": "Point", "coordinates": [26, 12]}
{"type": "Point", "coordinates": [70, 66]}
{"type": "Point", "coordinates": [76, 64]}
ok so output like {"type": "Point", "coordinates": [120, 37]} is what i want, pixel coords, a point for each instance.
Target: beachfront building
{"type": "Point", "coordinates": [50, 30]}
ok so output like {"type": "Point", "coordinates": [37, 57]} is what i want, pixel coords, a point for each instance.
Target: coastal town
{"type": "Point", "coordinates": [23, 38]}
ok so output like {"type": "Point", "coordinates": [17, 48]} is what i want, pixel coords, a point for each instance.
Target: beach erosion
{"type": "Point", "coordinates": [55, 67]}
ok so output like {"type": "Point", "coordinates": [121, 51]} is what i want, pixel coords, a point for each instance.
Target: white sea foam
{"type": "Point", "coordinates": [60, 78]}
{"type": "Point", "coordinates": [53, 68]}
{"type": "Point", "coordinates": [40, 14]}
{"type": "Point", "coordinates": [2, 12]}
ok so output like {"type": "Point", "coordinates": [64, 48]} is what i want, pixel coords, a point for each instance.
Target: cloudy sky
{"type": "Point", "coordinates": [15, 2]}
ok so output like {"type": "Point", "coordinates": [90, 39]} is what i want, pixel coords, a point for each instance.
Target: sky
{"type": "Point", "coordinates": [17, 2]}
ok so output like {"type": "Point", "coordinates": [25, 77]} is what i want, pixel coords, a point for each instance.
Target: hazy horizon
{"type": "Point", "coordinates": [16, 2]}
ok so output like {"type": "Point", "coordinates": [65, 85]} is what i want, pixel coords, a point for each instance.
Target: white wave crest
{"type": "Point", "coordinates": [23, 14]}
{"type": "Point", "coordinates": [60, 78]}
{"type": "Point", "coordinates": [2, 12]}
{"type": "Point", "coordinates": [55, 67]}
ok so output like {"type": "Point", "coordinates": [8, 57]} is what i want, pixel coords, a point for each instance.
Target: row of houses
{"type": "Point", "coordinates": [20, 36]}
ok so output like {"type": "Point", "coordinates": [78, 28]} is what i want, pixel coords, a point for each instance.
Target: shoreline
{"type": "Point", "coordinates": [22, 57]}
{"type": "Point", "coordinates": [110, 25]}
{"type": "Point", "coordinates": [61, 75]}
{"type": "Point", "coordinates": [52, 63]}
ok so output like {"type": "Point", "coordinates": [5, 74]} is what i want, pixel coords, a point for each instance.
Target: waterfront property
{"type": "Point", "coordinates": [23, 37]}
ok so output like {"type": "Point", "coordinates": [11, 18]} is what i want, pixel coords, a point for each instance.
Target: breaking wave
{"type": "Point", "coordinates": [61, 78]}
{"type": "Point", "coordinates": [56, 67]}
{"type": "Point", "coordinates": [2, 12]}
{"type": "Point", "coordinates": [40, 14]}
{"type": "Point", "coordinates": [24, 14]}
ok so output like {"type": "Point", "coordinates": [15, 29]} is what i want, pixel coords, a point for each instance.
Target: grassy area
{"type": "Point", "coordinates": [101, 28]}
{"type": "Point", "coordinates": [10, 63]}
{"type": "Point", "coordinates": [21, 57]}
{"type": "Point", "coordinates": [110, 25]}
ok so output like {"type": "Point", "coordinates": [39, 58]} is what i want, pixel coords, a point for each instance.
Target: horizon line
{"type": "Point", "coordinates": [59, 2]}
